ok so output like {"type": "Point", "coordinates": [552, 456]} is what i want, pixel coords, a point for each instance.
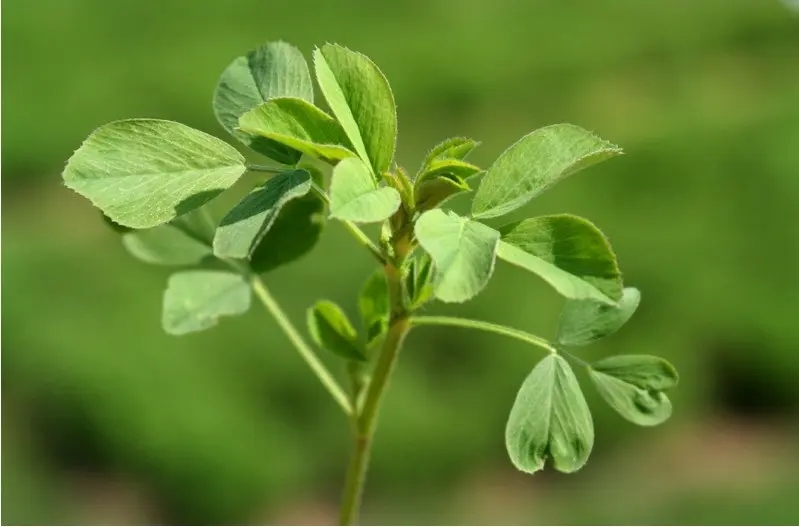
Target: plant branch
{"type": "Point", "coordinates": [296, 339]}
{"type": "Point", "coordinates": [484, 326]}
{"type": "Point", "coordinates": [268, 170]}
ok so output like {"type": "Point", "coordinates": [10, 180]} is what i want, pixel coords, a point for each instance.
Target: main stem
{"type": "Point", "coordinates": [365, 422]}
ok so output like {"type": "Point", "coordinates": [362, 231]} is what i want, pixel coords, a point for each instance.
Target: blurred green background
{"type": "Point", "coordinates": [108, 420]}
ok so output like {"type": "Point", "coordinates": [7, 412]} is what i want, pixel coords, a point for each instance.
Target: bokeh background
{"type": "Point", "coordinates": [105, 419]}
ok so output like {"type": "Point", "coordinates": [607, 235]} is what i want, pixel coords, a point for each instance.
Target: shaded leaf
{"type": "Point", "coordinates": [373, 303]}
{"type": "Point", "coordinates": [275, 69]}
{"type": "Point", "coordinates": [633, 386]}
{"type": "Point", "coordinates": [534, 163]}
{"type": "Point", "coordinates": [167, 244]}
{"type": "Point", "coordinates": [550, 420]}
{"type": "Point", "coordinates": [463, 252]}
{"type": "Point", "coordinates": [194, 300]}
{"type": "Point", "coordinates": [332, 330]}
{"type": "Point", "coordinates": [568, 252]}
{"type": "Point", "coordinates": [247, 223]}
{"type": "Point", "coordinates": [144, 172]}
{"type": "Point", "coordinates": [584, 321]}
{"type": "Point", "coordinates": [355, 196]}
{"type": "Point", "coordinates": [300, 125]}
{"type": "Point", "coordinates": [443, 179]}
{"type": "Point", "coordinates": [418, 280]}
{"type": "Point", "coordinates": [360, 97]}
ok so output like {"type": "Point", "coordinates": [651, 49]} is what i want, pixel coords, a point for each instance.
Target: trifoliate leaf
{"type": "Point", "coordinates": [550, 420]}
{"type": "Point", "coordinates": [585, 321]}
{"type": "Point", "coordinates": [194, 300]}
{"type": "Point", "coordinates": [463, 252]}
{"type": "Point", "coordinates": [633, 385]}
{"type": "Point", "coordinates": [373, 303]}
{"type": "Point", "coordinates": [276, 69]}
{"type": "Point", "coordinates": [360, 97]}
{"type": "Point", "coordinates": [355, 196]}
{"type": "Point", "coordinates": [331, 329]}
{"type": "Point", "coordinates": [568, 252]}
{"type": "Point", "coordinates": [144, 172]}
{"type": "Point", "coordinates": [300, 125]}
{"type": "Point", "coordinates": [534, 163]}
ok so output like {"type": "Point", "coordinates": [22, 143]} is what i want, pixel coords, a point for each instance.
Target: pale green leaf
{"type": "Point", "coordinates": [463, 252]}
{"type": "Point", "coordinates": [331, 329]}
{"type": "Point", "coordinates": [275, 69]}
{"type": "Point", "coordinates": [300, 125]}
{"type": "Point", "coordinates": [355, 196]}
{"type": "Point", "coordinates": [360, 97]}
{"type": "Point", "coordinates": [453, 148]}
{"type": "Point", "coordinates": [455, 167]}
{"type": "Point", "coordinates": [373, 304]}
{"type": "Point", "coordinates": [568, 252]}
{"type": "Point", "coordinates": [534, 163]}
{"type": "Point", "coordinates": [584, 321]}
{"type": "Point", "coordinates": [144, 172]}
{"type": "Point", "coordinates": [550, 420]}
{"type": "Point", "coordinates": [633, 385]}
{"type": "Point", "coordinates": [194, 300]}
{"type": "Point", "coordinates": [247, 223]}
{"type": "Point", "coordinates": [167, 244]}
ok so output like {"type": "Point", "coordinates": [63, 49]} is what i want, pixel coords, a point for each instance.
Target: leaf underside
{"type": "Point", "coordinates": [195, 300]}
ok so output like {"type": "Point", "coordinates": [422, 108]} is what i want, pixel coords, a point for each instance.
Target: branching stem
{"type": "Point", "coordinates": [484, 326]}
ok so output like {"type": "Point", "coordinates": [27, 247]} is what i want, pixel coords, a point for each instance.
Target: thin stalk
{"type": "Point", "coordinates": [268, 170]}
{"type": "Point", "coordinates": [305, 351]}
{"type": "Point", "coordinates": [485, 326]}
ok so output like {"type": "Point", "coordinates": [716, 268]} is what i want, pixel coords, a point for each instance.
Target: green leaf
{"type": "Point", "coordinates": [455, 167]}
{"type": "Point", "coordinates": [276, 69]}
{"type": "Point", "coordinates": [194, 300]}
{"type": "Point", "coordinates": [373, 304]}
{"type": "Point", "coordinates": [463, 252]}
{"type": "Point", "coordinates": [453, 148]}
{"type": "Point", "coordinates": [360, 97]}
{"type": "Point", "coordinates": [247, 223]}
{"type": "Point", "coordinates": [550, 419]}
{"type": "Point", "coordinates": [568, 252]}
{"type": "Point", "coordinates": [167, 244]}
{"type": "Point", "coordinates": [144, 172]}
{"type": "Point", "coordinates": [443, 179]}
{"type": "Point", "coordinates": [633, 385]}
{"type": "Point", "coordinates": [300, 125]}
{"type": "Point", "coordinates": [585, 321]}
{"type": "Point", "coordinates": [418, 279]}
{"type": "Point", "coordinates": [295, 232]}
{"type": "Point", "coordinates": [332, 330]}
{"type": "Point", "coordinates": [355, 196]}
{"type": "Point", "coordinates": [534, 163]}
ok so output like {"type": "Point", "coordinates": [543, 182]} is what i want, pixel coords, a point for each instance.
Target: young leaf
{"type": "Point", "coordinates": [360, 97]}
{"type": "Point", "coordinates": [166, 245]}
{"type": "Point", "coordinates": [453, 148]}
{"type": "Point", "coordinates": [534, 163]}
{"type": "Point", "coordinates": [355, 196]}
{"type": "Point", "coordinates": [144, 172]}
{"type": "Point", "coordinates": [463, 252]}
{"type": "Point", "coordinates": [550, 419]}
{"type": "Point", "coordinates": [194, 300]}
{"type": "Point", "coordinates": [275, 69]}
{"type": "Point", "coordinates": [373, 304]}
{"type": "Point", "coordinates": [568, 252]}
{"type": "Point", "coordinates": [418, 280]}
{"type": "Point", "coordinates": [431, 191]}
{"type": "Point", "coordinates": [300, 125]}
{"type": "Point", "coordinates": [633, 385]}
{"type": "Point", "coordinates": [247, 223]}
{"type": "Point", "coordinates": [332, 330]}
{"type": "Point", "coordinates": [455, 167]}
{"type": "Point", "coordinates": [585, 321]}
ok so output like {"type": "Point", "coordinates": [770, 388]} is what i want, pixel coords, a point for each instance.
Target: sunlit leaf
{"type": "Point", "coordinates": [355, 196]}
{"type": "Point", "coordinates": [584, 321]}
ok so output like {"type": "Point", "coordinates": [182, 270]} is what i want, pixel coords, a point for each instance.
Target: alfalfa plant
{"type": "Point", "coordinates": [157, 178]}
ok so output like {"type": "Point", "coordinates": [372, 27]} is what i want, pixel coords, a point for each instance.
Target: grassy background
{"type": "Point", "coordinates": [107, 420]}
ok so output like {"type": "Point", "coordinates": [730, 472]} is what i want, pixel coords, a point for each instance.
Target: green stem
{"type": "Point", "coordinates": [366, 423]}
{"type": "Point", "coordinates": [484, 326]}
{"type": "Point", "coordinates": [268, 170]}
{"type": "Point", "coordinates": [305, 351]}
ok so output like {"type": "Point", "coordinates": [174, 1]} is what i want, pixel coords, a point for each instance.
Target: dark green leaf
{"type": "Point", "coordinates": [534, 163]}
{"type": "Point", "coordinates": [444, 179]}
{"type": "Point", "coordinates": [332, 330]}
{"type": "Point", "coordinates": [585, 321]}
{"type": "Point", "coordinates": [550, 420]}
{"type": "Point", "coordinates": [194, 300]}
{"type": "Point", "coordinates": [360, 97]}
{"type": "Point", "coordinates": [300, 125]}
{"type": "Point", "coordinates": [275, 69]}
{"type": "Point", "coordinates": [144, 172]}
{"type": "Point", "coordinates": [419, 280]}
{"type": "Point", "coordinates": [355, 196]}
{"type": "Point", "coordinates": [568, 252]}
{"type": "Point", "coordinates": [241, 230]}
{"type": "Point", "coordinates": [373, 303]}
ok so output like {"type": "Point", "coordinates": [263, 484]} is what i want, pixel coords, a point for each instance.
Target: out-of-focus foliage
{"type": "Point", "coordinates": [106, 419]}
